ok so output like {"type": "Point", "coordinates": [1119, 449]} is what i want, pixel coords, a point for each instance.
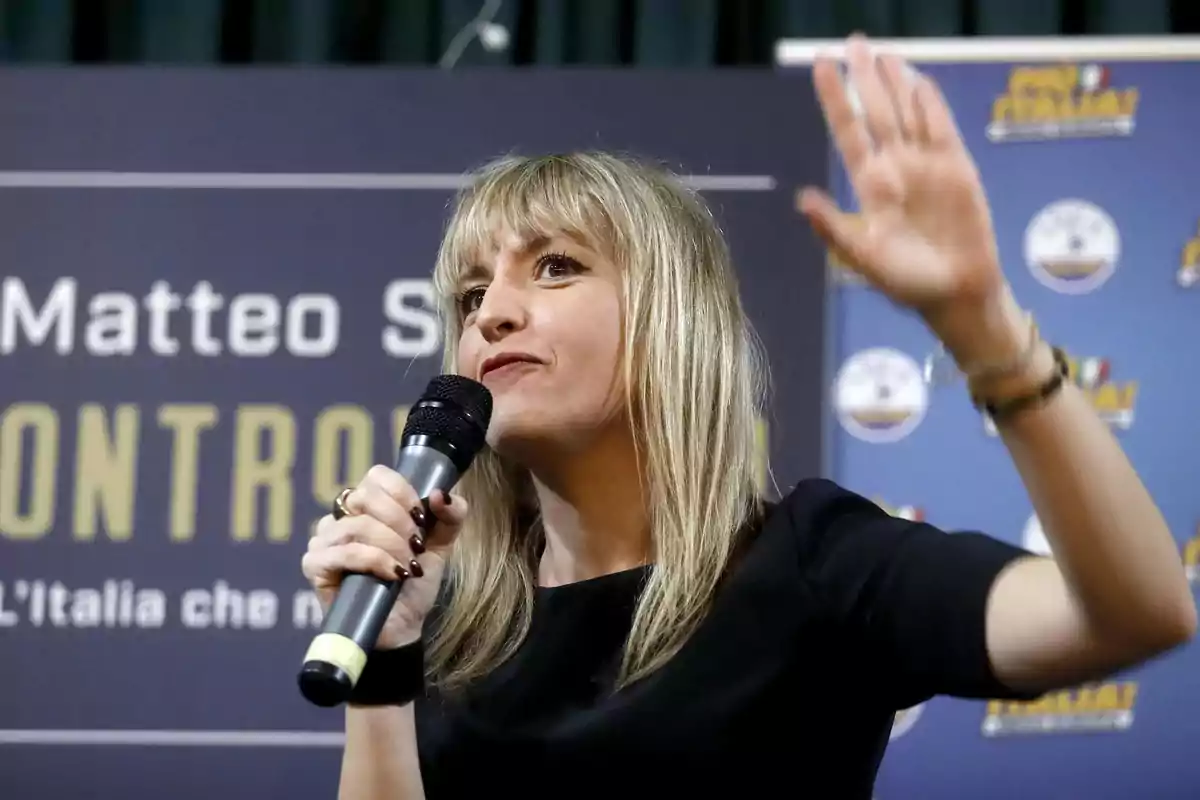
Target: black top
{"type": "Point", "coordinates": [836, 616]}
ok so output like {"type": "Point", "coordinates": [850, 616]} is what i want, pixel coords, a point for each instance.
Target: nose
{"type": "Point", "coordinates": [503, 310]}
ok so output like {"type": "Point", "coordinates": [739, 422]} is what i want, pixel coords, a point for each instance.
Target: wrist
{"type": "Point", "coordinates": [995, 331]}
{"type": "Point", "coordinates": [1039, 367]}
{"type": "Point", "coordinates": [393, 677]}
{"type": "Point", "coordinates": [394, 640]}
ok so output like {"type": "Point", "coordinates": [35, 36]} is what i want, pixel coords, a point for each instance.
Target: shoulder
{"type": "Point", "coordinates": [839, 538]}
{"type": "Point", "coordinates": [791, 542]}
{"type": "Point", "coordinates": [815, 503]}
{"type": "Point", "coordinates": [818, 511]}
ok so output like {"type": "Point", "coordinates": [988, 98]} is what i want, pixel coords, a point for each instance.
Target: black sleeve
{"type": "Point", "coordinates": [912, 598]}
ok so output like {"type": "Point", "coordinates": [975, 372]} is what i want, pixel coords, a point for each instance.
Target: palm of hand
{"type": "Point", "coordinates": [923, 235]}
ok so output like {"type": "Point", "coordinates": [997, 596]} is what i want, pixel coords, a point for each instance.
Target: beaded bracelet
{"type": "Point", "coordinates": [1008, 407]}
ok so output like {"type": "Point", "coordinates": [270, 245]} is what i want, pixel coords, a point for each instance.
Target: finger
{"type": "Point", "coordinates": [900, 82]}
{"type": "Point", "coordinates": [449, 511]}
{"type": "Point", "coordinates": [384, 507]}
{"type": "Point", "coordinates": [368, 530]}
{"type": "Point", "coordinates": [878, 111]}
{"type": "Point", "coordinates": [449, 508]}
{"type": "Point", "coordinates": [920, 132]}
{"type": "Point", "coordinates": [841, 116]}
{"type": "Point", "coordinates": [321, 530]}
{"type": "Point", "coordinates": [364, 529]}
{"type": "Point", "coordinates": [937, 122]}
{"type": "Point", "coordinates": [330, 531]}
{"type": "Point", "coordinates": [840, 231]}
{"type": "Point", "coordinates": [393, 484]}
{"type": "Point", "coordinates": [329, 565]}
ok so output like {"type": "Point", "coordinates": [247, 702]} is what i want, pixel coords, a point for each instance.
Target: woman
{"type": "Point", "coordinates": [622, 613]}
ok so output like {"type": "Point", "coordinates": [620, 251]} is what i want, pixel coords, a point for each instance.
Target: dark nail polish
{"type": "Point", "coordinates": [401, 573]}
{"type": "Point", "coordinates": [415, 568]}
{"type": "Point", "coordinates": [446, 497]}
{"type": "Point", "coordinates": [418, 516]}
{"type": "Point", "coordinates": [417, 543]}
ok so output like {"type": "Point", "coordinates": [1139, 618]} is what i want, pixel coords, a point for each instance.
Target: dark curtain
{"type": "Point", "coordinates": [653, 33]}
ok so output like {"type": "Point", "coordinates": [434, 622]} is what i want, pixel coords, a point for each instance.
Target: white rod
{"type": "Point", "coordinates": [172, 738]}
{"type": "Point", "coordinates": [983, 49]}
{"type": "Point", "coordinates": [101, 179]}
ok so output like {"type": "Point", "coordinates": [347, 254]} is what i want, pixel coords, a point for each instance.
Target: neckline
{"type": "Point", "coordinates": [596, 583]}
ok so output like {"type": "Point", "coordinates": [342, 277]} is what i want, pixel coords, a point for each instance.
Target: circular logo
{"type": "Point", "coordinates": [904, 721]}
{"type": "Point", "coordinates": [1072, 246]}
{"type": "Point", "coordinates": [880, 395]}
{"type": "Point", "coordinates": [1033, 538]}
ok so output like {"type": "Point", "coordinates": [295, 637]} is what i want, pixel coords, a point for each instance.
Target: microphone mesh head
{"type": "Point", "coordinates": [455, 410]}
{"type": "Point", "coordinates": [472, 397]}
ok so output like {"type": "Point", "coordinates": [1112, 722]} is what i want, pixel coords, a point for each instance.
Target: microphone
{"type": "Point", "coordinates": [444, 431]}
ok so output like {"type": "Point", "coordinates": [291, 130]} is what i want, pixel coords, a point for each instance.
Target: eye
{"type": "Point", "coordinates": [557, 265]}
{"type": "Point", "coordinates": [469, 300]}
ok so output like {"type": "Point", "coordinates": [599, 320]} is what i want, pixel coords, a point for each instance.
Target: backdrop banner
{"type": "Point", "coordinates": [1089, 164]}
{"type": "Point", "coordinates": [215, 307]}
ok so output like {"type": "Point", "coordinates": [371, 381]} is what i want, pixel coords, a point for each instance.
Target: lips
{"type": "Point", "coordinates": [505, 359]}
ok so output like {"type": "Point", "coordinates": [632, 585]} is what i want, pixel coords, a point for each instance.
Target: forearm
{"type": "Point", "coordinates": [1110, 542]}
{"type": "Point", "coordinates": [380, 756]}
{"type": "Point", "coordinates": [1109, 539]}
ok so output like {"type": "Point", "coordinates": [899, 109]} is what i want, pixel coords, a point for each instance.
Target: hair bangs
{"type": "Point", "coordinates": [526, 200]}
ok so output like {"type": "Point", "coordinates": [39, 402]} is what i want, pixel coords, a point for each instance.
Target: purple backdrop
{"type": "Point", "coordinates": [214, 303]}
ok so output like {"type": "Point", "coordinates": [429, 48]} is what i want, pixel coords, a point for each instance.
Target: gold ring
{"type": "Point", "coordinates": [339, 504]}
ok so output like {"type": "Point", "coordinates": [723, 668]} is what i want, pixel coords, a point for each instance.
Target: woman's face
{"type": "Point", "coordinates": [542, 331]}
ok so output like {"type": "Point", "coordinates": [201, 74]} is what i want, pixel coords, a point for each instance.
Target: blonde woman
{"type": "Point", "coordinates": [607, 607]}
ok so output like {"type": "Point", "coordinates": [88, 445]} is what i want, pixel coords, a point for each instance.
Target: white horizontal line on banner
{"type": "Point", "coordinates": [153, 738]}
{"type": "Point", "coordinates": [800, 52]}
{"type": "Point", "coordinates": [51, 179]}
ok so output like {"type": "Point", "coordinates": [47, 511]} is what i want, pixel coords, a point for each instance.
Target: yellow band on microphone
{"type": "Point", "coordinates": [341, 651]}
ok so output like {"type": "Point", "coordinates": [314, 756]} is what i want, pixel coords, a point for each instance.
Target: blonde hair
{"type": "Point", "coordinates": [694, 381]}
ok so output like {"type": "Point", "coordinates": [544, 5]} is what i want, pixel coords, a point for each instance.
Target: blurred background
{"type": "Point", "coordinates": [217, 222]}
{"type": "Point", "coordinates": [609, 33]}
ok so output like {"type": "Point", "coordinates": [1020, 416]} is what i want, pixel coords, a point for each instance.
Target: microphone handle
{"type": "Point", "coordinates": [359, 611]}
{"type": "Point", "coordinates": [338, 655]}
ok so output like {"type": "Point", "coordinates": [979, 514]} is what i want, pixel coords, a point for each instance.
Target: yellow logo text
{"type": "Point", "coordinates": [1189, 265]}
{"type": "Point", "coordinates": [1069, 100]}
{"type": "Point", "coordinates": [1114, 401]}
{"type": "Point", "coordinates": [1094, 707]}
{"type": "Point", "coordinates": [1191, 557]}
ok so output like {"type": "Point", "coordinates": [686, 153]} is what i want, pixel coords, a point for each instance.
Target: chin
{"type": "Point", "coordinates": [510, 428]}
{"type": "Point", "coordinates": [523, 437]}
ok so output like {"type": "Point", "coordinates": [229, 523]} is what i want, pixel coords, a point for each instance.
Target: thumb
{"type": "Point", "coordinates": [841, 232]}
{"type": "Point", "coordinates": [449, 511]}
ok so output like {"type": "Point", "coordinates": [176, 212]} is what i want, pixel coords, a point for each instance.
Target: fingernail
{"type": "Point", "coordinates": [446, 499]}
{"type": "Point", "coordinates": [417, 543]}
{"type": "Point", "coordinates": [418, 516]}
{"type": "Point", "coordinates": [415, 568]}
{"type": "Point", "coordinates": [401, 573]}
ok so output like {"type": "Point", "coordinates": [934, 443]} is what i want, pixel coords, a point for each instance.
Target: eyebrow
{"type": "Point", "coordinates": [473, 273]}
{"type": "Point", "coordinates": [477, 271]}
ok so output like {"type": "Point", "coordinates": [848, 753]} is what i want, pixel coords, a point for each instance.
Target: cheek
{"type": "Point", "coordinates": [594, 350]}
{"type": "Point", "coordinates": [467, 356]}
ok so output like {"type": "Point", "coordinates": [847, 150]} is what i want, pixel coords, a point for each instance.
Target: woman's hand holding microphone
{"type": "Point", "coordinates": [383, 534]}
